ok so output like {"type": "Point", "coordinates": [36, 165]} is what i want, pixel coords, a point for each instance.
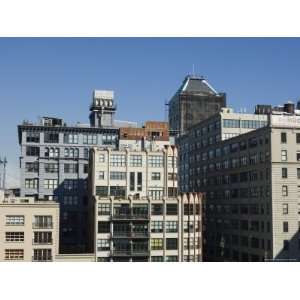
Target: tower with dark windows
{"type": "Point", "coordinates": [194, 101]}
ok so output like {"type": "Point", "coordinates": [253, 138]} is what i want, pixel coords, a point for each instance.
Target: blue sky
{"type": "Point", "coordinates": [56, 76]}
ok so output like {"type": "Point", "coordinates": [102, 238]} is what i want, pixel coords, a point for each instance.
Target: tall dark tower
{"type": "Point", "coordinates": [102, 109]}
{"type": "Point", "coordinates": [194, 101]}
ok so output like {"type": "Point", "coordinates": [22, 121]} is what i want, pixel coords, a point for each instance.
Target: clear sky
{"type": "Point", "coordinates": [56, 77]}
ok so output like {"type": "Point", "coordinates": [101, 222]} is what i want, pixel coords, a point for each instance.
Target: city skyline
{"type": "Point", "coordinates": [49, 73]}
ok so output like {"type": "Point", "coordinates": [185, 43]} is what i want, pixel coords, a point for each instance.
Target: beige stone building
{"type": "Point", "coordinates": [251, 184]}
{"type": "Point", "coordinates": [29, 230]}
{"type": "Point", "coordinates": [138, 214]}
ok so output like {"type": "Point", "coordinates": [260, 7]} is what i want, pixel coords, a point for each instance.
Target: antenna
{"type": "Point", "coordinates": [4, 173]}
{"type": "Point", "coordinates": [1, 162]}
{"type": "Point", "coordinates": [166, 110]}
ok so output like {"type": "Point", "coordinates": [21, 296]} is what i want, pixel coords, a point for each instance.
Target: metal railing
{"type": "Point", "coordinates": [130, 234]}
{"type": "Point", "coordinates": [42, 259]}
{"type": "Point", "coordinates": [130, 216]}
{"type": "Point", "coordinates": [42, 226]}
{"type": "Point", "coordinates": [41, 242]}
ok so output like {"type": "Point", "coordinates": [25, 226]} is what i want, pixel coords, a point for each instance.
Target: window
{"type": "Point", "coordinates": [283, 137]}
{"type": "Point", "coordinates": [50, 183]}
{"type": "Point", "coordinates": [32, 167]}
{"type": "Point", "coordinates": [51, 167]}
{"type": "Point", "coordinates": [298, 155]}
{"type": "Point", "coordinates": [42, 222]}
{"type": "Point", "coordinates": [172, 191]}
{"type": "Point", "coordinates": [298, 173]}
{"type": "Point", "coordinates": [103, 209]}
{"type": "Point", "coordinates": [71, 200]}
{"type": "Point", "coordinates": [51, 137]}
{"type": "Point", "coordinates": [43, 237]}
{"type": "Point", "coordinates": [172, 209]}
{"type": "Point", "coordinates": [51, 152]}
{"type": "Point", "coordinates": [14, 236]}
{"type": "Point", "coordinates": [85, 169]}
{"type": "Point", "coordinates": [171, 244]}
{"type": "Point", "coordinates": [72, 152]}
{"type": "Point", "coordinates": [118, 191]}
{"type": "Point", "coordinates": [14, 254]}
{"type": "Point", "coordinates": [108, 139]}
{"type": "Point", "coordinates": [171, 258]}
{"type": "Point", "coordinates": [70, 184]}
{"type": "Point", "coordinates": [139, 181]}
{"type": "Point", "coordinates": [298, 138]}
{"type": "Point", "coordinates": [102, 191]}
{"type": "Point", "coordinates": [32, 137]}
{"type": "Point", "coordinates": [132, 181]}
{"type": "Point", "coordinates": [135, 160]}
{"type": "Point", "coordinates": [284, 190]}
{"type": "Point", "coordinates": [171, 161]}
{"type": "Point", "coordinates": [285, 208]}
{"type": "Point", "coordinates": [156, 209]}
{"type": "Point", "coordinates": [90, 139]}
{"type": "Point", "coordinates": [155, 176]}
{"type": "Point", "coordinates": [42, 254]}
{"type": "Point", "coordinates": [31, 183]}
{"type": "Point", "coordinates": [71, 168]}
{"type": "Point", "coordinates": [71, 138]}
{"type": "Point", "coordinates": [286, 245]}
{"type": "Point", "coordinates": [285, 226]}
{"type": "Point", "coordinates": [228, 123]}
{"type": "Point", "coordinates": [155, 194]}
{"type": "Point", "coordinates": [156, 244]}
{"type": "Point", "coordinates": [114, 175]}
{"type": "Point", "coordinates": [188, 209]}
{"type": "Point", "coordinates": [284, 173]}
{"type": "Point", "coordinates": [157, 258]}
{"type": "Point", "coordinates": [118, 160]}
{"type": "Point", "coordinates": [101, 158]}
{"type": "Point", "coordinates": [172, 176]}
{"type": "Point", "coordinates": [32, 151]}
{"type": "Point", "coordinates": [103, 245]}
{"type": "Point", "coordinates": [283, 155]}
{"type": "Point", "coordinates": [157, 226]}
{"type": "Point", "coordinates": [15, 220]}
{"type": "Point", "coordinates": [101, 175]}
{"type": "Point", "coordinates": [86, 152]}
{"type": "Point", "coordinates": [155, 161]}
{"type": "Point", "coordinates": [171, 226]}
{"type": "Point", "coordinates": [103, 227]}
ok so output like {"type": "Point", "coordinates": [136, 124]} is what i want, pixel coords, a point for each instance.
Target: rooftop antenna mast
{"type": "Point", "coordinates": [3, 173]}
{"type": "Point", "coordinates": [1, 163]}
{"type": "Point", "coordinates": [166, 110]}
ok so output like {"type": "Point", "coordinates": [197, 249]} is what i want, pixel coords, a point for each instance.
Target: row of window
{"type": "Point", "coordinates": [33, 167]}
{"type": "Point", "coordinates": [39, 237]}
{"type": "Point", "coordinates": [51, 184]}
{"type": "Point", "coordinates": [69, 138]}
{"type": "Point", "coordinates": [157, 209]}
{"type": "Point", "coordinates": [227, 148]}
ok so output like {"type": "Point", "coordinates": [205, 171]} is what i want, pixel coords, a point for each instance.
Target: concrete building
{"type": "Point", "coordinates": [138, 213]}
{"type": "Point", "coordinates": [54, 164]}
{"type": "Point", "coordinates": [29, 229]}
{"type": "Point", "coordinates": [251, 184]}
{"type": "Point", "coordinates": [194, 101]}
{"type": "Point", "coordinates": [222, 126]}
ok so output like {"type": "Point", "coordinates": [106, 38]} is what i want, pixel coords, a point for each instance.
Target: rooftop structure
{"type": "Point", "coordinates": [193, 102]}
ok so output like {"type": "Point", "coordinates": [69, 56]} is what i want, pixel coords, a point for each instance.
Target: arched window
{"type": "Point", "coordinates": [47, 152]}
